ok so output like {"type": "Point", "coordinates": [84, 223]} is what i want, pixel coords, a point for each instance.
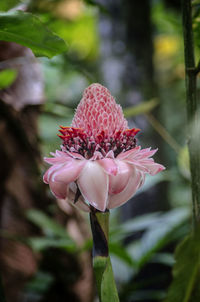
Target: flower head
{"type": "Point", "coordinates": [99, 164]}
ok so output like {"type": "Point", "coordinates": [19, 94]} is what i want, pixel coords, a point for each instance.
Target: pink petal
{"type": "Point", "coordinates": [93, 184]}
{"type": "Point", "coordinates": [132, 186]}
{"type": "Point", "coordinates": [69, 172]}
{"type": "Point", "coordinates": [110, 154]}
{"type": "Point", "coordinates": [97, 155]}
{"type": "Point", "coordinates": [57, 160]}
{"type": "Point", "coordinates": [59, 190]}
{"type": "Point", "coordinates": [137, 165]}
{"type": "Point", "coordinates": [59, 157]}
{"type": "Point", "coordinates": [108, 165]}
{"type": "Point", "coordinates": [118, 182]}
{"type": "Point", "coordinates": [154, 168]}
{"type": "Point", "coordinates": [131, 152]}
{"type": "Point", "coordinates": [50, 171]}
{"type": "Point", "coordinates": [75, 155]}
{"type": "Point", "coordinates": [145, 153]}
{"type": "Point", "coordinates": [61, 153]}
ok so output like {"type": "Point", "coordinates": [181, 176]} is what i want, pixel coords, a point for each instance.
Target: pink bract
{"type": "Point", "coordinates": [99, 164]}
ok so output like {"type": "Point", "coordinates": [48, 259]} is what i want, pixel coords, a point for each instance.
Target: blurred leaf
{"type": "Point", "coordinates": [47, 224]}
{"type": "Point", "coordinates": [56, 235]}
{"type": "Point", "coordinates": [164, 258]}
{"type": "Point", "coordinates": [160, 233]}
{"type": "Point", "coordinates": [58, 110]}
{"type": "Point", "coordinates": [120, 232]}
{"type": "Point", "coordinates": [196, 2]}
{"type": "Point", "coordinates": [121, 252]}
{"type": "Point", "coordinates": [186, 272]}
{"type": "Point", "coordinates": [7, 4]}
{"type": "Point", "coordinates": [84, 26]}
{"type": "Point", "coordinates": [142, 108]}
{"type": "Point", "coordinates": [26, 29]}
{"type": "Point", "coordinates": [7, 77]}
{"type": "Point", "coordinates": [102, 8]}
{"type": "Point", "coordinates": [183, 162]}
{"type": "Point", "coordinates": [41, 243]}
{"type": "Point", "coordinates": [39, 284]}
{"type": "Point", "coordinates": [147, 295]}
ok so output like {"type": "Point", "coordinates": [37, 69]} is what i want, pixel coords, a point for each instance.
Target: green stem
{"type": "Point", "coordinates": [106, 286]}
{"type": "Point", "coordinates": [192, 107]}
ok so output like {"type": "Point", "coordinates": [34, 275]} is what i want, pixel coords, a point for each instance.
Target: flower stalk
{"type": "Point", "coordinates": [105, 281]}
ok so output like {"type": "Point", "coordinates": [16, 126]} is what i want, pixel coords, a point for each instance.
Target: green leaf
{"type": "Point", "coordinates": [27, 29]}
{"type": "Point", "coordinates": [120, 232]}
{"type": "Point", "coordinates": [121, 252]}
{"type": "Point", "coordinates": [160, 233]}
{"type": "Point", "coordinates": [39, 244]}
{"type": "Point", "coordinates": [8, 4]}
{"type": "Point", "coordinates": [47, 224]}
{"type": "Point", "coordinates": [186, 272]}
{"type": "Point", "coordinates": [7, 77]}
{"type": "Point", "coordinates": [142, 108]}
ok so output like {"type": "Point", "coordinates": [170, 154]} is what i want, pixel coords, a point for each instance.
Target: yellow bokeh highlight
{"type": "Point", "coordinates": [166, 46]}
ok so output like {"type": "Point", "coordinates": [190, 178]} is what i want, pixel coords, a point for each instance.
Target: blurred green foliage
{"type": "Point", "coordinates": [185, 286]}
{"type": "Point", "coordinates": [27, 29]}
{"type": "Point", "coordinates": [7, 77]}
{"type": "Point", "coordinates": [7, 4]}
{"type": "Point", "coordinates": [147, 240]}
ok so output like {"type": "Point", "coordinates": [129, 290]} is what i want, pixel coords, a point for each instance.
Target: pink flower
{"type": "Point", "coordinates": [99, 164]}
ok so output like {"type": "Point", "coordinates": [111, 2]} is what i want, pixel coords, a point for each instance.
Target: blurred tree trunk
{"type": "Point", "coordinates": [21, 188]}
{"type": "Point", "coordinates": [19, 161]}
{"type": "Point", "coordinates": [139, 41]}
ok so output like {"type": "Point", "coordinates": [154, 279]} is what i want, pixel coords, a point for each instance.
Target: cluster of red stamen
{"type": "Point", "coordinates": [76, 140]}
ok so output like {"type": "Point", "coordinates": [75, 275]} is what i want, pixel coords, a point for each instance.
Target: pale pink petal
{"type": "Point", "coordinates": [110, 154]}
{"type": "Point", "coordinates": [131, 188]}
{"type": "Point", "coordinates": [61, 153]}
{"type": "Point", "coordinates": [142, 178]}
{"type": "Point", "coordinates": [75, 155]}
{"type": "Point", "coordinates": [154, 168]}
{"type": "Point", "coordinates": [58, 189]}
{"type": "Point", "coordinates": [93, 184]}
{"type": "Point", "coordinates": [131, 152]}
{"type": "Point", "coordinates": [147, 166]}
{"type": "Point", "coordinates": [108, 165]}
{"type": "Point", "coordinates": [57, 160]}
{"type": "Point", "coordinates": [142, 161]}
{"type": "Point", "coordinates": [50, 171]}
{"type": "Point", "coordinates": [69, 172]}
{"type": "Point", "coordinates": [137, 165]}
{"type": "Point", "coordinates": [59, 157]}
{"type": "Point", "coordinates": [145, 153]}
{"type": "Point", "coordinates": [97, 155]}
{"type": "Point", "coordinates": [118, 182]}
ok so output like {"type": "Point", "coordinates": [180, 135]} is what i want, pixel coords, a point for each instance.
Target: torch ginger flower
{"type": "Point", "coordinates": [99, 164]}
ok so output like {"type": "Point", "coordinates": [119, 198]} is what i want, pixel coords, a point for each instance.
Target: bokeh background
{"type": "Point", "coordinates": [135, 49]}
